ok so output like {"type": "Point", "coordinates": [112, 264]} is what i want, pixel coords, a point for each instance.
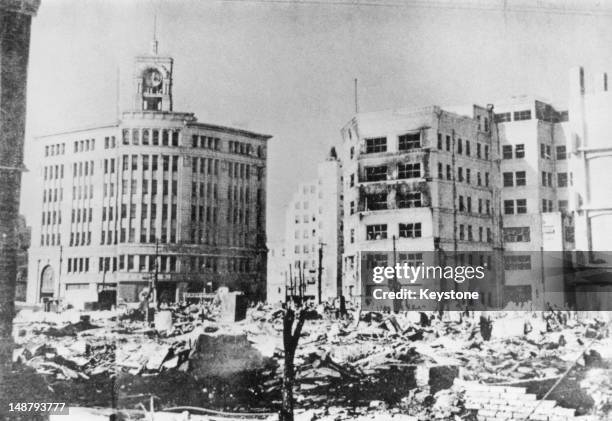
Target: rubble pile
{"type": "Point", "coordinates": [404, 365]}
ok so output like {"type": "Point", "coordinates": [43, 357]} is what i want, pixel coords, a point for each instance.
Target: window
{"type": "Point", "coordinates": [545, 151]}
{"type": "Point", "coordinates": [459, 146]}
{"type": "Point", "coordinates": [507, 151]}
{"type": "Point", "coordinates": [376, 232]}
{"type": "Point", "coordinates": [448, 143]}
{"type": "Point", "coordinates": [409, 170]}
{"type": "Point", "coordinates": [522, 115]}
{"type": "Point", "coordinates": [516, 234]}
{"type": "Point", "coordinates": [410, 200]}
{"type": "Point", "coordinates": [469, 204]}
{"type": "Point", "coordinates": [486, 152]}
{"type": "Point", "coordinates": [517, 262]}
{"type": "Point", "coordinates": [502, 117]}
{"type": "Point", "coordinates": [461, 204]}
{"type": "Point", "coordinates": [561, 153]}
{"type": "Point", "coordinates": [546, 179]}
{"type": "Point", "coordinates": [460, 174]}
{"type": "Point", "coordinates": [409, 141]}
{"type": "Point", "coordinates": [521, 206]}
{"type": "Point", "coordinates": [467, 147]}
{"type": "Point", "coordinates": [449, 174]}
{"type": "Point", "coordinates": [439, 142]}
{"type": "Point", "coordinates": [376, 173]}
{"type": "Point", "coordinates": [410, 230]}
{"type": "Point", "coordinates": [508, 179]}
{"type": "Point", "coordinates": [519, 151]}
{"type": "Point", "coordinates": [547, 205]}
{"type": "Point", "coordinates": [440, 170]}
{"type": "Point", "coordinates": [377, 144]}
{"type": "Point", "coordinates": [461, 232]}
{"type": "Point", "coordinates": [562, 179]}
{"type": "Point", "coordinates": [521, 178]}
{"type": "Point", "coordinates": [478, 151]}
{"type": "Point", "coordinates": [563, 205]}
{"type": "Point", "coordinates": [375, 201]}
{"type": "Point", "coordinates": [487, 179]}
{"type": "Point", "coordinates": [508, 207]}
{"type": "Point", "coordinates": [352, 236]}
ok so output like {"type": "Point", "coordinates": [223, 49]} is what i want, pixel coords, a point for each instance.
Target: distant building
{"type": "Point", "coordinates": [535, 180]}
{"type": "Point", "coordinates": [155, 193]}
{"type": "Point", "coordinates": [312, 240]}
{"type": "Point", "coordinates": [422, 180]}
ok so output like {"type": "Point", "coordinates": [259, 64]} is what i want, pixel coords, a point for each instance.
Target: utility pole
{"type": "Point", "coordinates": [320, 276]}
{"type": "Point", "coordinates": [356, 98]}
{"type": "Point", "coordinates": [291, 282]}
{"type": "Point", "coordinates": [156, 273]}
{"type": "Point", "coordinates": [395, 284]}
{"type": "Point", "coordinates": [59, 275]}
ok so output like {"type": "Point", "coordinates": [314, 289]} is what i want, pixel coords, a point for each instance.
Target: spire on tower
{"type": "Point", "coordinates": [154, 43]}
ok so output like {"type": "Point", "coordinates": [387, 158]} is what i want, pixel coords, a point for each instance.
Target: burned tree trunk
{"type": "Point", "coordinates": [290, 342]}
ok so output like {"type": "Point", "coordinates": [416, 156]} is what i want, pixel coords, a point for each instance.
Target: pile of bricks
{"type": "Point", "coordinates": [507, 403]}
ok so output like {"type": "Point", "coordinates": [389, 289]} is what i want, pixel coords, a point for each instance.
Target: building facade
{"type": "Point", "coordinates": [313, 240]}
{"type": "Point", "coordinates": [590, 201]}
{"type": "Point", "coordinates": [537, 224]}
{"type": "Point", "coordinates": [421, 181]}
{"type": "Point", "coordinates": [155, 199]}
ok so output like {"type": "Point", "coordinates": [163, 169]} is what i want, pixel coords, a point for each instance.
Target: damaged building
{"type": "Point", "coordinates": [156, 195]}
{"type": "Point", "coordinates": [422, 180]}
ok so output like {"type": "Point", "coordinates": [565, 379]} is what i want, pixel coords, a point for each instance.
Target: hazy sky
{"type": "Point", "coordinates": [288, 69]}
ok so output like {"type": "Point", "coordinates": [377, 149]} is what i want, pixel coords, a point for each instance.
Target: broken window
{"type": "Point", "coordinates": [376, 173]}
{"type": "Point", "coordinates": [409, 200]}
{"type": "Point", "coordinates": [412, 230]}
{"type": "Point", "coordinates": [376, 232]}
{"type": "Point", "coordinates": [409, 141]}
{"type": "Point", "coordinates": [376, 201]}
{"type": "Point", "coordinates": [522, 115]}
{"type": "Point", "coordinates": [409, 170]}
{"type": "Point", "coordinates": [376, 144]}
{"type": "Point", "coordinates": [516, 234]}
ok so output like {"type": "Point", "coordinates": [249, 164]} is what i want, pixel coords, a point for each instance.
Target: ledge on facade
{"type": "Point", "coordinates": [159, 115]}
{"type": "Point", "coordinates": [26, 7]}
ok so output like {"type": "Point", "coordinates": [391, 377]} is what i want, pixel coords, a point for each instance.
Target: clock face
{"type": "Point", "coordinates": [153, 78]}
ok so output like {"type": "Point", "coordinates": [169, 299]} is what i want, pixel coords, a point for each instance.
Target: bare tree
{"type": "Point", "coordinates": [291, 337]}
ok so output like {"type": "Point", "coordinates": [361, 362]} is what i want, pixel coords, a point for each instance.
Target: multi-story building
{"type": "Point", "coordinates": [590, 152]}
{"type": "Point", "coordinates": [313, 240]}
{"type": "Point", "coordinates": [535, 181]}
{"type": "Point", "coordinates": [418, 181]}
{"type": "Point", "coordinates": [156, 195]}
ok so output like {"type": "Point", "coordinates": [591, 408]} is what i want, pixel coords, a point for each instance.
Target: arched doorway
{"type": "Point", "coordinates": [47, 282]}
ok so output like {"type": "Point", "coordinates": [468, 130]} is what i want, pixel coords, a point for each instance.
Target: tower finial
{"type": "Point", "coordinates": [154, 43]}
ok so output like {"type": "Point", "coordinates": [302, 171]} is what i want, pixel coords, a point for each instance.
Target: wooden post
{"type": "Point", "coordinates": [291, 338]}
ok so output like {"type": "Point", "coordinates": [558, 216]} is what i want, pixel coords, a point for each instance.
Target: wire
{"type": "Point", "coordinates": [491, 7]}
{"type": "Point", "coordinates": [565, 374]}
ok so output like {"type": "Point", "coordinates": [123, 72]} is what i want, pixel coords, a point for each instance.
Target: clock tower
{"type": "Point", "coordinates": [153, 81]}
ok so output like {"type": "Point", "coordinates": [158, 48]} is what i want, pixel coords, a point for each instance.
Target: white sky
{"type": "Point", "coordinates": [287, 69]}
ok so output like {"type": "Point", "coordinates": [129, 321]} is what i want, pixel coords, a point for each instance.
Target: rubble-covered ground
{"type": "Point", "coordinates": [376, 366]}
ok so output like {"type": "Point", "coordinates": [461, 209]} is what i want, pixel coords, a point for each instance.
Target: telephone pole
{"type": "Point", "coordinates": [320, 275]}
{"type": "Point", "coordinates": [155, 300]}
